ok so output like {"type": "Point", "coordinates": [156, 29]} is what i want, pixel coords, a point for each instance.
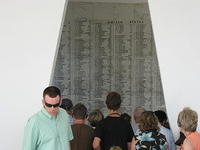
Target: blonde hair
{"type": "Point", "coordinates": [94, 117]}
{"type": "Point", "coordinates": [188, 119]}
{"type": "Point", "coordinates": [115, 148]}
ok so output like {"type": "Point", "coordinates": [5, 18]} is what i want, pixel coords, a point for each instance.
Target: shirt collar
{"type": "Point", "coordinates": [47, 114]}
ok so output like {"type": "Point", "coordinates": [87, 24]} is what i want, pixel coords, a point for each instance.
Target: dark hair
{"type": "Point", "coordinates": [126, 117]}
{"type": "Point", "coordinates": [79, 111]}
{"type": "Point", "coordinates": [51, 91]}
{"type": "Point", "coordinates": [148, 121]}
{"type": "Point", "coordinates": [161, 115]}
{"type": "Point", "coordinates": [162, 118]}
{"type": "Point", "coordinates": [66, 104]}
{"type": "Point", "coordinates": [113, 101]}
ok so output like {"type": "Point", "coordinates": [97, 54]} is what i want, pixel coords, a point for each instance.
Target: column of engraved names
{"type": "Point", "coordinates": [145, 58]}
{"type": "Point", "coordinates": [123, 64]}
{"type": "Point", "coordinates": [82, 62]}
{"type": "Point", "coordinates": [138, 63]}
{"type": "Point", "coordinates": [103, 62]}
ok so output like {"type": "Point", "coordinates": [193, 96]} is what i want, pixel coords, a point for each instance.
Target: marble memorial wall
{"type": "Point", "coordinates": [109, 47]}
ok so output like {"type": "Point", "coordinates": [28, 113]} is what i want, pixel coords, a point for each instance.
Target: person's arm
{"type": "Point", "coordinates": [69, 133]}
{"type": "Point", "coordinates": [96, 143]}
{"type": "Point", "coordinates": [187, 145]}
{"type": "Point", "coordinates": [30, 136]}
{"type": "Point", "coordinates": [129, 145]}
{"type": "Point", "coordinates": [98, 134]}
{"type": "Point", "coordinates": [130, 136]}
{"type": "Point", "coordinates": [172, 145]}
{"type": "Point", "coordinates": [133, 142]}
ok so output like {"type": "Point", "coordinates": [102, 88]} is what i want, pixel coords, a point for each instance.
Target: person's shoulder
{"type": "Point", "coordinates": [107, 120]}
{"type": "Point", "coordinates": [187, 144]}
{"type": "Point", "coordinates": [34, 119]}
{"type": "Point", "coordinates": [103, 122]}
{"type": "Point", "coordinates": [125, 122]}
{"type": "Point", "coordinates": [84, 127]}
{"type": "Point", "coordinates": [195, 134]}
{"type": "Point", "coordinates": [63, 113]}
{"type": "Point", "coordinates": [87, 127]}
{"type": "Point", "coordinates": [164, 128]}
{"type": "Point", "coordinates": [165, 131]}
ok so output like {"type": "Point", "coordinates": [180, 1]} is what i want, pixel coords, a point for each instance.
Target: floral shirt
{"type": "Point", "coordinates": [151, 140]}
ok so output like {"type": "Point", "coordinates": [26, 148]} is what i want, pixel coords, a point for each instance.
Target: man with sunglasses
{"type": "Point", "coordinates": [49, 129]}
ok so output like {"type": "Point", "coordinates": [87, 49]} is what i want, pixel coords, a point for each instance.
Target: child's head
{"type": "Point", "coordinates": [94, 117]}
{"type": "Point", "coordinates": [115, 148]}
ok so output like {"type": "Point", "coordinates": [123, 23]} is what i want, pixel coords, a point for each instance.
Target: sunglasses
{"type": "Point", "coordinates": [51, 105]}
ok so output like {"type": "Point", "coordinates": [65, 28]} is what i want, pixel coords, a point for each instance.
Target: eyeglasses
{"type": "Point", "coordinates": [51, 105]}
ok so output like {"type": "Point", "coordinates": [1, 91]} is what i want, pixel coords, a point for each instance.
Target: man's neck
{"type": "Point", "coordinates": [113, 113]}
{"type": "Point", "coordinates": [79, 121]}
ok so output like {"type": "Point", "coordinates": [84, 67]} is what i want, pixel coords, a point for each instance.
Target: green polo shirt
{"type": "Point", "coordinates": [46, 132]}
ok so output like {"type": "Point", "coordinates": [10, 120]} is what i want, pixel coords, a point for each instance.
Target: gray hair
{"type": "Point", "coordinates": [137, 113]}
{"type": "Point", "coordinates": [188, 119]}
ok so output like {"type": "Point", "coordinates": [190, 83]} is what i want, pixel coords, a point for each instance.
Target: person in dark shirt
{"type": "Point", "coordinates": [126, 117]}
{"type": "Point", "coordinates": [179, 142]}
{"type": "Point", "coordinates": [113, 130]}
{"type": "Point", "coordinates": [83, 134]}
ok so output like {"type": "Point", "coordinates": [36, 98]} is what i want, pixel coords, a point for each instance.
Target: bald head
{"type": "Point", "coordinates": [137, 113]}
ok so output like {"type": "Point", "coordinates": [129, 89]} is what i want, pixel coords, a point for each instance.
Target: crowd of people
{"type": "Point", "coordinates": [61, 126]}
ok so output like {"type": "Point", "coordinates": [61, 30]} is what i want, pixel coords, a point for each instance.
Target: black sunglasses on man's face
{"type": "Point", "coordinates": [51, 105]}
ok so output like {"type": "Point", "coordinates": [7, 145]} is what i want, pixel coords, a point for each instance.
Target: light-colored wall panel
{"type": "Point", "coordinates": [176, 31]}
{"type": "Point", "coordinates": [29, 32]}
